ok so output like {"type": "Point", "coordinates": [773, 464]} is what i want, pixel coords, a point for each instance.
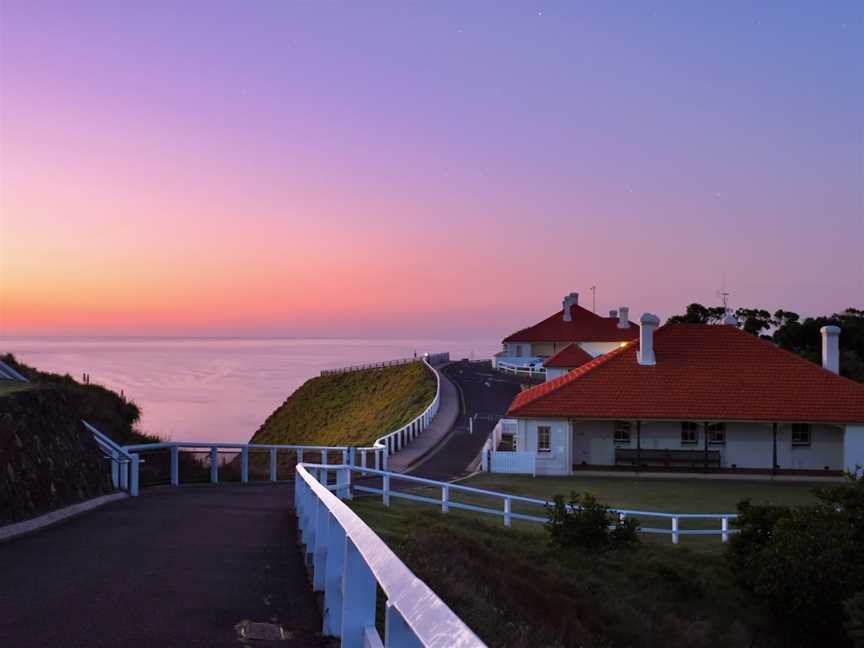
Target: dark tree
{"type": "Point", "coordinates": [699, 314]}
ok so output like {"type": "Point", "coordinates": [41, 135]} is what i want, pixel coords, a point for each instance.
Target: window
{"type": "Point", "coordinates": [689, 433]}
{"type": "Point", "coordinates": [717, 433]}
{"type": "Point", "coordinates": [518, 350]}
{"type": "Point", "coordinates": [544, 441]}
{"type": "Point", "coordinates": [801, 434]}
{"type": "Point", "coordinates": [622, 431]}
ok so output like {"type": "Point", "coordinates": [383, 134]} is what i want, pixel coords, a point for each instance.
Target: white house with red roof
{"type": "Point", "coordinates": [573, 325]}
{"type": "Point", "coordinates": [695, 398]}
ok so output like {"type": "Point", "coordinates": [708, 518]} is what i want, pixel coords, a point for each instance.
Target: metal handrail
{"type": "Point", "coordinates": [349, 562]}
{"type": "Point", "coordinates": [125, 466]}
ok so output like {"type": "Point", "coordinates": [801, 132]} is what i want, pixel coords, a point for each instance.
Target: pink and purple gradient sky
{"type": "Point", "coordinates": [422, 169]}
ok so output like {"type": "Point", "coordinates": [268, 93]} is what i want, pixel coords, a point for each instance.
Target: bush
{"type": "Point", "coordinates": [586, 523]}
{"type": "Point", "coordinates": [806, 563]}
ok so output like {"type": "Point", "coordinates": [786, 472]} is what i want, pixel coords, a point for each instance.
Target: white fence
{"type": "Point", "coordinates": [532, 371]}
{"type": "Point", "coordinates": [349, 562]}
{"type": "Point", "coordinates": [514, 463]}
{"type": "Point", "coordinates": [398, 439]}
{"type": "Point", "coordinates": [445, 490]}
{"type": "Point", "coordinates": [371, 365]}
{"type": "Point", "coordinates": [125, 466]}
{"type": "Point", "coordinates": [432, 358]}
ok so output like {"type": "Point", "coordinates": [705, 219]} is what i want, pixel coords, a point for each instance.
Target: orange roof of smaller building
{"type": "Point", "coordinates": [703, 372]}
{"type": "Point", "coordinates": [584, 326]}
{"type": "Point", "coordinates": [569, 357]}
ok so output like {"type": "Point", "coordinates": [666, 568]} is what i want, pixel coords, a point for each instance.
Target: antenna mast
{"type": "Point", "coordinates": [593, 299]}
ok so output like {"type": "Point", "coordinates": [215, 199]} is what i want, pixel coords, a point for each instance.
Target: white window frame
{"type": "Point", "coordinates": [622, 432]}
{"type": "Point", "coordinates": [541, 430]}
{"type": "Point", "coordinates": [718, 429]}
{"type": "Point", "coordinates": [518, 350]}
{"type": "Point", "coordinates": [689, 426]}
{"type": "Point", "coordinates": [799, 429]}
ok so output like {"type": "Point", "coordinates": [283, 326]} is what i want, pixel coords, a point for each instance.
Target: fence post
{"type": "Point", "coordinates": [386, 489]}
{"type": "Point", "coordinates": [175, 466]}
{"type": "Point", "coordinates": [214, 465]}
{"type": "Point", "coordinates": [124, 475]}
{"type": "Point", "coordinates": [363, 458]}
{"type": "Point", "coordinates": [133, 486]}
{"type": "Point", "coordinates": [445, 499]}
{"type": "Point", "coordinates": [115, 468]}
{"type": "Point", "coordinates": [324, 456]}
{"type": "Point", "coordinates": [272, 464]}
{"type": "Point", "coordinates": [396, 631]}
{"type": "Point", "coordinates": [319, 558]}
{"type": "Point", "coordinates": [333, 578]}
{"type": "Point", "coordinates": [359, 591]}
{"type": "Point", "coordinates": [244, 465]}
{"type": "Point", "coordinates": [507, 511]}
{"type": "Point", "coordinates": [724, 529]}
{"type": "Point", "coordinates": [675, 529]}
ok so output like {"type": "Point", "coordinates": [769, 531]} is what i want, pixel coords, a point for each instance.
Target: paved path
{"type": "Point", "coordinates": [173, 567]}
{"type": "Point", "coordinates": [485, 392]}
{"type": "Point", "coordinates": [432, 436]}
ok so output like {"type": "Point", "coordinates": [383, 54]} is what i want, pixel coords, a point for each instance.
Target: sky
{"type": "Point", "coordinates": [450, 169]}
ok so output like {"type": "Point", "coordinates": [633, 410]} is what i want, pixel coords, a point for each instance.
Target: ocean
{"type": "Point", "coordinates": [213, 389]}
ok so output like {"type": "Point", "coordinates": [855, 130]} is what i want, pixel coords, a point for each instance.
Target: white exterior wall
{"type": "Point", "coordinates": [555, 372]}
{"type": "Point", "coordinates": [748, 445]}
{"type": "Point", "coordinates": [555, 462]}
{"type": "Point", "coordinates": [853, 448]}
{"type": "Point", "coordinates": [598, 348]}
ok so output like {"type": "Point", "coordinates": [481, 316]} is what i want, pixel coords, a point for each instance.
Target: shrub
{"type": "Point", "coordinates": [805, 563]}
{"type": "Point", "coordinates": [584, 522]}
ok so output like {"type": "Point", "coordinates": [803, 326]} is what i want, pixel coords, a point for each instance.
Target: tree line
{"type": "Point", "coordinates": [787, 330]}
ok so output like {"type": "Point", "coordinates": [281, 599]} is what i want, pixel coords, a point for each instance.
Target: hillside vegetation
{"type": "Point", "coordinates": [350, 409]}
{"type": "Point", "coordinates": [106, 409]}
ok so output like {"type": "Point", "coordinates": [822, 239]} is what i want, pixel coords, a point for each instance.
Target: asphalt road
{"type": "Point", "coordinates": [173, 567]}
{"type": "Point", "coordinates": [487, 393]}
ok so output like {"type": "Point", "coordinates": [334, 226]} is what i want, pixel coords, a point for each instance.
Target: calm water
{"type": "Point", "coordinates": [212, 389]}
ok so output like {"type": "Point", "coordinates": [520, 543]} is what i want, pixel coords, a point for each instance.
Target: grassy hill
{"type": "Point", "coordinates": [113, 415]}
{"type": "Point", "coordinates": [350, 409]}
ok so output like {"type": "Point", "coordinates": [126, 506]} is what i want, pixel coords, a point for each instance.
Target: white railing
{"type": "Point", "coordinates": [521, 370]}
{"type": "Point", "coordinates": [350, 562]}
{"type": "Point", "coordinates": [368, 366]}
{"type": "Point", "coordinates": [8, 373]}
{"type": "Point", "coordinates": [514, 463]}
{"type": "Point", "coordinates": [125, 466]}
{"type": "Point", "coordinates": [432, 358]}
{"type": "Point", "coordinates": [394, 441]}
{"type": "Point", "coordinates": [445, 490]}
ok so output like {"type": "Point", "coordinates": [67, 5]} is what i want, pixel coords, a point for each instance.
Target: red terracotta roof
{"type": "Point", "coordinates": [584, 327]}
{"type": "Point", "coordinates": [702, 373]}
{"type": "Point", "coordinates": [569, 357]}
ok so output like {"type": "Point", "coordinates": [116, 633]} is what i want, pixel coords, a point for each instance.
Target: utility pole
{"type": "Point", "coordinates": [593, 299]}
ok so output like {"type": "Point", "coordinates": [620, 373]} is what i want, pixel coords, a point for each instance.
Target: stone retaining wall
{"type": "Point", "coordinates": [47, 459]}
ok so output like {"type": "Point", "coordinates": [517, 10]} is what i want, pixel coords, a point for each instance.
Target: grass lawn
{"type": "Point", "coordinates": [653, 493]}
{"type": "Point", "coordinates": [11, 386]}
{"type": "Point", "coordinates": [351, 408]}
{"type": "Point", "coordinates": [647, 494]}
{"type": "Point", "coordinates": [513, 589]}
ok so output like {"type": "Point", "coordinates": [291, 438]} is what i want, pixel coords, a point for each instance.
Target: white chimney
{"type": "Point", "coordinates": [613, 314]}
{"type": "Point", "coordinates": [624, 317]}
{"type": "Point", "coordinates": [831, 348]}
{"type": "Point", "coordinates": [647, 324]}
{"type": "Point", "coordinates": [570, 300]}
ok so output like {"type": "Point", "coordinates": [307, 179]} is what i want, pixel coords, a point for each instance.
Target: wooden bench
{"type": "Point", "coordinates": [667, 458]}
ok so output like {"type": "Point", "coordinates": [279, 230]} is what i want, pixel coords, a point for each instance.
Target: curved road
{"type": "Point", "coordinates": [173, 567]}
{"type": "Point", "coordinates": [485, 392]}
